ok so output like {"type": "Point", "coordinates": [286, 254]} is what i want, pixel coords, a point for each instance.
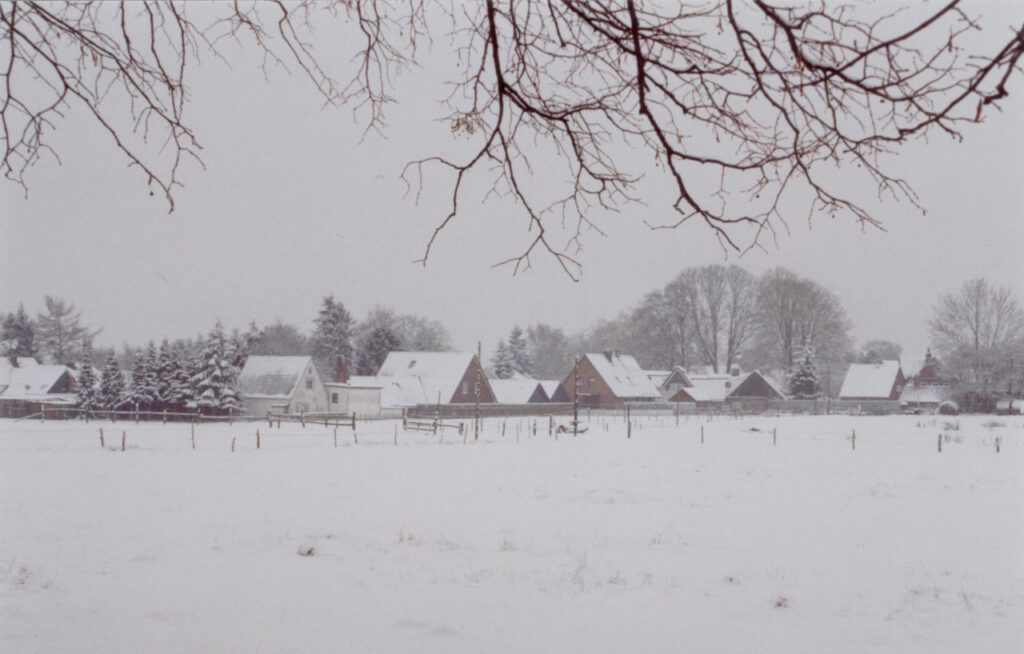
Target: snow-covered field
{"type": "Point", "coordinates": [518, 543]}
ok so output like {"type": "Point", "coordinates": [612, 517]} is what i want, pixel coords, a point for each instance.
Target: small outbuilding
{"type": "Point", "coordinates": [29, 389]}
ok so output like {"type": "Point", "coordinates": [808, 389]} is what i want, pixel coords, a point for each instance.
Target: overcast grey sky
{"type": "Point", "coordinates": [292, 206]}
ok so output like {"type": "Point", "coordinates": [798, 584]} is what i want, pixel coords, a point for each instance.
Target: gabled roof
{"type": "Point", "coordinates": [272, 376]}
{"type": "Point", "coordinates": [870, 380]}
{"type": "Point", "coordinates": [719, 387]}
{"type": "Point", "coordinates": [677, 376]}
{"type": "Point", "coordinates": [550, 386]}
{"type": "Point", "coordinates": [436, 372]}
{"type": "Point", "coordinates": [518, 391]}
{"type": "Point", "coordinates": [35, 382]}
{"type": "Point", "coordinates": [623, 375]}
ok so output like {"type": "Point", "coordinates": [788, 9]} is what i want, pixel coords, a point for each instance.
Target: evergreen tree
{"type": "Point", "coordinates": [803, 383]}
{"type": "Point", "coordinates": [18, 335]}
{"type": "Point", "coordinates": [179, 390]}
{"type": "Point", "coordinates": [166, 372]}
{"type": "Point", "coordinates": [332, 336]}
{"type": "Point", "coordinates": [241, 344]}
{"type": "Point", "coordinates": [144, 391]}
{"type": "Point", "coordinates": [381, 342]}
{"type": "Point", "coordinates": [87, 393]}
{"type": "Point", "coordinates": [111, 391]}
{"type": "Point", "coordinates": [502, 362]}
{"type": "Point", "coordinates": [214, 384]}
{"type": "Point", "coordinates": [518, 351]}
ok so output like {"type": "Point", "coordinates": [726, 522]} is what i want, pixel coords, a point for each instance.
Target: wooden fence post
{"type": "Point", "coordinates": [940, 442]}
{"type": "Point", "coordinates": [702, 434]}
{"type": "Point", "coordinates": [853, 440]}
{"type": "Point", "coordinates": [102, 444]}
{"type": "Point", "coordinates": [335, 437]}
{"type": "Point", "coordinates": [257, 438]}
{"type": "Point", "coordinates": [775, 437]}
{"type": "Point", "coordinates": [165, 417]}
{"type": "Point", "coordinates": [396, 435]}
{"type": "Point", "coordinates": [124, 440]}
{"type": "Point", "coordinates": [232, 443]}
{"type": "Point", "coordinates": [999, 440]}
{"type": "Point", "coordinates": [193, 426]}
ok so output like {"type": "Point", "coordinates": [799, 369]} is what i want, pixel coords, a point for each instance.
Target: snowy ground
{"type": "Point", "coordinates": [518, 543]}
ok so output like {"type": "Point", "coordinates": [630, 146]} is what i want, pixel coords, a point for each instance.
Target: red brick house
{"type": "Point", "coordinates": [607, 381]}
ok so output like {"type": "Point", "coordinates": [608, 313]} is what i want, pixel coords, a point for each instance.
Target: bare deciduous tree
{"type": "Point", "coordinates": [979, 317]}
{"type": "Point", "coordinates": [746, 106]}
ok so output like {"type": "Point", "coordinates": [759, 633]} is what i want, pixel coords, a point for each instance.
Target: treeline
{"type": "Point", "coordinates": [717, 317]}
{"type": "Point", "coordinates": [201, 372]}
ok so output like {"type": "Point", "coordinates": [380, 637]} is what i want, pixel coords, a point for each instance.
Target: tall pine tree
{"type": "Point", "coordinates": [111, 391]}
{"type": "Point", "coordinates": [803, 383]}
{"type": "Point", "coordinates": [18, 335]}
{"type": "Point", "coordinates": [502, 363]}
{"type": "Point", "coordinates": [332, 337]}
{"type": "Point", "coordinates": [519, 352]}
{"type": "Point", "coordinates": [214, 383]}
{"type": "Point", "coordinates": [381, 341]}
{"type": "Point", "coordinates": [87, 394]}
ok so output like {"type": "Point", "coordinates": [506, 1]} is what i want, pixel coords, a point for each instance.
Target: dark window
{"type": "Point", "coordinates": [309, 383]}
{"type": "Point", "coordinates": [334, 398]}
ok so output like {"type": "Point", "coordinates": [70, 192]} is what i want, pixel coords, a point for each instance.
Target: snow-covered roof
{"type": "Point", "coordinates": [719, 387]}
{"type": "Point", "coordinates": [550, 386]}
{"type": "Point", "coordinates": [925, 394]}
{"type": "Point", "coordinates": [34, 382]}
{"type": "Point", "coordinates": [870, 380]}
{"type": "Point", "coordinates": [658, 377]}
{"type": "Point", "coordinates": [623, 375]}
{"type": "Point", "coordinates": [514, 391]}
{"type": "Point", "coordinates": [402, 392]}
{"type": "Point", "coordinates": [437, 373]}
{"type": "Point", "coordinates": [271, 376]}
{"type": "Point", "coordinates": [357, 381]}
{"type": "Point", "coordinates": [714, 388]}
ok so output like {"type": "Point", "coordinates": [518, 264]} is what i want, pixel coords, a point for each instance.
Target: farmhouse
{"type": "Point", "coordinates": [519, 390]}
{"type": "Point", "coordinates": [26, 389]}
{"type": "Point", "coordinates": [411, 378]}
{"type": "Point", "coordinates": [607, 380]}
{"type": "Point", "coordinates": [873, 381]}
{"type": "Point", "coordinates": [281, 384]}
{"type": "Point", "coordinates": [706, 390]}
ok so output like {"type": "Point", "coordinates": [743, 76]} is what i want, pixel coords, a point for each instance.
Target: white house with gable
{"type": "Point", "coordinates": [281, 384]}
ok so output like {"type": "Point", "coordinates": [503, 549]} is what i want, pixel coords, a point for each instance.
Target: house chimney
{"type": "Point", "coordinates": [735, 371]}
{"type": "Point", "coordinates": [609, 354]}
{"type": "Point", "coordinates": [341, 371]}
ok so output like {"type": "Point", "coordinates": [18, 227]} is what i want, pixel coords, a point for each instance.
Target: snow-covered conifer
{"type": "Point", "coordinates": [112, 387]}
{"type": "Point", "coordinates": [803, 383]}
{"type": "Point", "coordinates": [214, 383]}
{"type": "Point", "coordinates": [87, 393]}
{"type": "Point", "coordinates": [332, 337]}
{"type": "Point", "coordinates": [502, 362]}
{"type": "Point", "coordinates": [519, 352]}
{"type": "Point", "coordinates": [381, 342]}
